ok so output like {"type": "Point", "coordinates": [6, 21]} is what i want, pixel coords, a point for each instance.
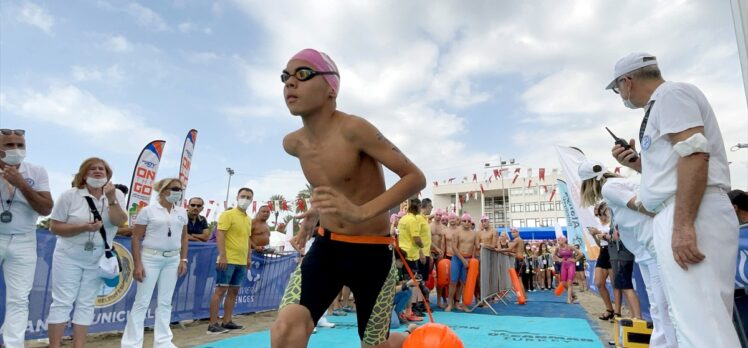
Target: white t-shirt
{"type": "Point", "coordinates": [71, 207]}
{"type": "Point", "coordinates": [158, 222]}
{"type": "Point", "coordinates": [278, 240]}
{"type": "Point", "coordinates": [631, 224]}
{"type": "Point", "coordinates": [678, 106]}
{"type": "Point", "coordinates": [24, 217]}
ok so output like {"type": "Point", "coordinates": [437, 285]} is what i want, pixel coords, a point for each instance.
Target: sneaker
{"type": "Point", "coordinates": [214, 329]}
{"type": "Point", "coordinates": [232, 326]}
{"type": "Point", "coordinates": [339, 312]}
{"type": "Point", "coordinates": [323, 322]}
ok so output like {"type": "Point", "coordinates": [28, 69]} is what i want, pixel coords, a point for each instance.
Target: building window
{"type": "Point", "coordinates": [562, 221]}
{"type": "Point", "coordinates": [518, 208]}
{"type": "Point", "coordinates": [517, 191]}
{"type": "Point", "coordinates": [532, 207]}
{"type": "Point", "coordinates": [518, 223]}
{"type": "Point", "coordinates": [546, 206]}
{"type": "Point", "coordinates": [531, 191]}
{"type": "Point", "coordinates": [547, 222]}
{"type": "Point", "coordinates": [558, 206]}
{"type": "Point", "coordinates": [533, 222]}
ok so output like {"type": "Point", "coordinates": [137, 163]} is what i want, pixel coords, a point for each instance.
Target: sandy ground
{"type": "Point", "coordinates": [194, 333]}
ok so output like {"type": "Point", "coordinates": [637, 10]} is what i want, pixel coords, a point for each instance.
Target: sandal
{"type": "Point", "coordinates": [617, 315]}
{"type": "Point", "coordinates": [608, 316]}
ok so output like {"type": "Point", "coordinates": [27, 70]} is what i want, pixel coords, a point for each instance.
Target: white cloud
{"type": "Point", "coordinates": [146, 17]}
{"type": "Point", "coordinates": [37, 16]}
{"type": "Point", "coordinates": [285, 182]}
{"type": "Point", "coordinates": [202, 57]}
{"type": "Point", "coordinates": [118, 43]}
{"type": "Point", "coordinates": [83, 115]}
{"type": "Point", "coordinates": [112, 74]}
{"type": "Point", "coordinates": [186, 27]}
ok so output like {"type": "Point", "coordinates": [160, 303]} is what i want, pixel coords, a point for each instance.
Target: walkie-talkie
{"type": "Point", "coordinates": [623, 144]}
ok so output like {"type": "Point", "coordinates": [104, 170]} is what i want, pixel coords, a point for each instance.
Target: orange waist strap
{"type": "Point", "coordinates": [384, 240]}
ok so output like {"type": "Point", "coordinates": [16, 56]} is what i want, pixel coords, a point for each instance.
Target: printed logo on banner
{"type": "Point", "coordinates": [109, 296]}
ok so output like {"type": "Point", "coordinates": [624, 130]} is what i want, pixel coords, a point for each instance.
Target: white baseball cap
{"type": "Point", "coordinates": [587, 170]}
{"type": "Point", "coordinates": [630, 63]}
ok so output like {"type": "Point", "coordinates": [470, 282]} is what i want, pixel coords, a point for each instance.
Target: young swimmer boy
{"type": "Point", "coordinates": [342, 157]}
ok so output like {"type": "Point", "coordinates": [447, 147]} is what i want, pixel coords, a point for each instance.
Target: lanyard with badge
{"type": "Point", "coordinates": [6, 216]}
{"type": "Point", "coordinates": [95, 216]}
{"type": "Point", "coordinates": [644, 122]}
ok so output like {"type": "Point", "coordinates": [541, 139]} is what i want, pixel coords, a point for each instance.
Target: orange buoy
{"type": "Point", "coordinates": [560, 289]}
{"type": "Point", "coordinates": [442, 276]}
{"type": "Point", "coordinates": [472, 277]}
{"type": "Point", "coordinates": [433, 335]}
{"type": "Point", "coordinates": [517, 286]}
{"type": "Point", "coordinates": [430, 282]}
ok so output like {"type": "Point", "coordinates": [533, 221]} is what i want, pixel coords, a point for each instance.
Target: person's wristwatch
{"type": "Point", "coordinates": [113, 202]}
{"type": "Point", "coordinates": [183, 260]}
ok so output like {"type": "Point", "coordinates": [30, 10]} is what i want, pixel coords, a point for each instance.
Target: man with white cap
{"type": "Point", "coordinates": [685, 179]}
{"type": "Point", "coordinates": [24, 195]}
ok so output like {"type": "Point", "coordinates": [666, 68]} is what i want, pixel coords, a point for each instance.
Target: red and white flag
{"type": "Point", "coordinates": [541, 174]}
{"type": "Point", "coordinates": [436, 184]}
{"type": "Point", "coordinates": [496, 173]}
{"type": "Point", "coordinates": [516, 175]}
{"type": "Point", "coordinates": [475, 177]}
{"type": "Point", "coordinates": [482, 190]}
{"type": "Point", "coordinates": [553, 193]}
{"type": "Point", "coordinates": [529, 183]}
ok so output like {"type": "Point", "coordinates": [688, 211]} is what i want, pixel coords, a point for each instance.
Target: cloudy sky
{"type": "Point", "coordinates": [454, 83]}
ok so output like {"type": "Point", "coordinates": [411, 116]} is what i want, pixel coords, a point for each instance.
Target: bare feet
{"type": "Point", "coordinates": [448, 309]}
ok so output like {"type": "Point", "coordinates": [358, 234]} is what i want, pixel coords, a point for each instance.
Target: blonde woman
{"type": "Point", "coordinates": [75, 262]}
{"type": "Point", "coordinates": [635, 231]}
{"type": "Point", "coordinates": [160, 258]}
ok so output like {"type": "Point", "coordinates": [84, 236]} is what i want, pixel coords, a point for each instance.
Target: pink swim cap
{"type": "Point", "coordinates": [452, 216]}
{"type": "Point", "coordinates": [484, 218]}
{"type": "Point", "coordinates": [320, 62]}
{"type": "Point", "coordinates": [444, 218]}
{"type": "Point", "coordinates": [467, 216]}
{"type": "Point", "coordinates": [438, 211]}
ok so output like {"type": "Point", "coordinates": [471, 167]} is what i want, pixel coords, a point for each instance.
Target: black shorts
{"type": "Point", "coordinates": [579, 266]}
{"type": "Point", "coordinates": [603, 260]}
{"type": "Point", "coordinates": [623, 276]}
{"type": "Point", "coordinates": [520, 265]}
{"type": "Point", "coordinates": [424, 269]}
{"type": "Point", "coordinates": [367, 269]}
{"type": "Point", "coordinates": [557, 267]}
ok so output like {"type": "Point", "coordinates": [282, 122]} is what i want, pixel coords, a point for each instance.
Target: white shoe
{"type": "Point", "coordinates": [323, 322]}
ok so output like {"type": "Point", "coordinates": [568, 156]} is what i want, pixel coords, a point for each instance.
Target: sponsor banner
{"type": "Point", "coordinates": [574, 231]}
{"type": "Point", "coordinates": [261, 290]}
{"type": "Point", "coordinates": [143, 178]}
{"type": "Point", "coordinates": [187, 151]}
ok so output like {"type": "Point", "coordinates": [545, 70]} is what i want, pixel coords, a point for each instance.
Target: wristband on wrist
{"type": "Point", "coordinates": [183, 260]}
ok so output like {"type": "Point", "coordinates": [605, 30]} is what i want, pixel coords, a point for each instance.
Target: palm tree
{"type": "Point", "coordinates": [279, 198]}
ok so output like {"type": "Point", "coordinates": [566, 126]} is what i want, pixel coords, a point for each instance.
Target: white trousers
{"type": "Point", "coordinates": [75, 281]}
{"type": "Point", "coordinates": [701, 298]}
{"type": "Point", "coordinates": [162, 271]}
{"type": "Point", "coordinates": [663, 334]}
{"type": "Point", "coordinates": [18, 259]}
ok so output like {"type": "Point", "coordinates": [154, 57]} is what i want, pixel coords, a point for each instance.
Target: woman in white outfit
{"type": "Point", "coordinates": [635, 229]}
{"type": "Point", "coordinates": [75, 279]}
{"type": "Point", "coordinates": [161, 260]}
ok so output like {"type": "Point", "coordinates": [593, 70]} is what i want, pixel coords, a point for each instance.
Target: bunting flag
{"type": "Point", "coordinates": [143, 178]}
{"type": "Point", "coordinates": [451, 179]}
{"type": "Point", "coordinates": [285, 205]}
{"type": "Point", "coordinates": [489, 179]}
{"type": "Point", "coordinates": [475, 177]}
{"type": "Point", "coordinates": [184, 168]}
{"type": "Point", "coordinates": [553, 193]}
{"type": "Point", "coordinates": [618, 170]}
{"type": "Point", "coordinates": [529, 172]}
{"type": "Point", "coordinates": [496, 173]}
{"type": "Point", "coordinates": [529, 183]}
{"type": "Point", "coordinates": [436, 184]}
{"type": "Point", "coordinates": [254, 206]}
{"type": "Point", "coordinates": [270, 205]}
{"type": "Point", "coordinates": [516, 175]}
{"type": "Point", "coordinates": [541, 175]}
{"type": "Point", "coordinates": [482, 191]}
{"type": "Point", "coordinates": [545, 189]}
{"type": "Point", "coordinates": [555, 171]}
{"type": "Point", "coordinates": [300, 205]}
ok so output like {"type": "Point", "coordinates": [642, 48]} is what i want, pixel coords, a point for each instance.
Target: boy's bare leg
{"type": "Point", "coordinates": [451, 297]}
{"type": "Point", "coordinates": [292, 328]}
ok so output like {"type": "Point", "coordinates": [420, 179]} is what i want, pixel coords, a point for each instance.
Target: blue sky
{"type": "Point", "coordinates": [453, 83]}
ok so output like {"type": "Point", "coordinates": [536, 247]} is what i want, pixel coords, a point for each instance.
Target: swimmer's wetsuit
{"type": "Point", "coordinates": [362, 263]}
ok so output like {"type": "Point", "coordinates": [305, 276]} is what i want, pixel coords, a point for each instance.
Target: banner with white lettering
{"type": "Point", "coordinates": [187, 151]}
{"type": "Point", "coordinates": [143, 178]}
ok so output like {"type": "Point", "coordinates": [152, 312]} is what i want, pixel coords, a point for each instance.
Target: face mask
{"type": "Point", "coordinates": [96, 183]}
{"type": "Point", "coordinates": [628, 103]}
{"type": "Point", "coordinates": [14, 157]}
{"type": "Point", "coordinates": [243, 203]}
{"type": "Point", "coordinates": [174, 197]}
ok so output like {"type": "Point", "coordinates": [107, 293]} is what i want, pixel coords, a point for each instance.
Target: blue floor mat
{"type": "Point", "coordinates": [546, 321]}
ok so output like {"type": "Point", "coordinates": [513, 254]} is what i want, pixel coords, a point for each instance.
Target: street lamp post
{"type": "Point", "coordinates": [230, 172]}
{"type": "Point", "coordinates": [501, 166]}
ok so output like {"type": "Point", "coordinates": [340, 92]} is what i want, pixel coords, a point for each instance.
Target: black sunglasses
{"type": "Point", "coordinates": [175, 189]}
{"type": "Point", "coordinates": [12, 131]}
{"type": "Point", "coordinates": [304, 74]}
{"type": "Point", "coordinates": [196, 205]}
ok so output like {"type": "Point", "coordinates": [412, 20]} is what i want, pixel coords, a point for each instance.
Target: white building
{"type": "Point", "coordinates": [530, 201]}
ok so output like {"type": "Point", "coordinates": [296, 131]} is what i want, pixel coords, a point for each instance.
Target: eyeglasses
{"type": "Point", "coordinates": [12, 131]}
{"type": "Point", "coordinates": [616, 89]}
{"type": "Point", "coordinates": [175, 189]}
{"type": "Point", "coordinates": [304, 74]}
{"type": "Point", "coordinates": [196, 205]}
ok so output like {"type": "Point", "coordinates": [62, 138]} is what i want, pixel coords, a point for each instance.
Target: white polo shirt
{"type": "Point", "coordinates": [72, 208]}
{"type": "Point", "coordinates": [158, 221]}
{"type": "Point", "coordinates": [678, 106]}
{"type": "Point", "coordinates": [618, 192]}
{"type": "Point", "coordinates": [24, 217]}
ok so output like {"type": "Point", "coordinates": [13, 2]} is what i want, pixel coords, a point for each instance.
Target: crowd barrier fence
{"type": "Point", "coordinates": [261, 290]}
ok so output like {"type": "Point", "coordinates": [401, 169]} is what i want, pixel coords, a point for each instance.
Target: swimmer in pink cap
{"type": "Point", "coordinates": [342, 158]}
{"type": "Point", "coordinates": [463, 249]}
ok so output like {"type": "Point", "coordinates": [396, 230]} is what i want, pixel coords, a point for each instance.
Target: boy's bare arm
{"type": "Point", "coordinates": [369, 140]}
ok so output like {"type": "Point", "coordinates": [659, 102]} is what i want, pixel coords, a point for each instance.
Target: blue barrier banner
{"type": "Point", "coordinates": [261, 291]}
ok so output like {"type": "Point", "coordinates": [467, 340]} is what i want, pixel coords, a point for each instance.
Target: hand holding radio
{"type": "Point", "coordinates": [626, 146]}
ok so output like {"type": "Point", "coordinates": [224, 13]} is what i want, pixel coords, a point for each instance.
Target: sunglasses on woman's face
{"type": "Point", "coordinates": [12, 131]}
{"type": "Point", "coordinates": [175, 189]}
